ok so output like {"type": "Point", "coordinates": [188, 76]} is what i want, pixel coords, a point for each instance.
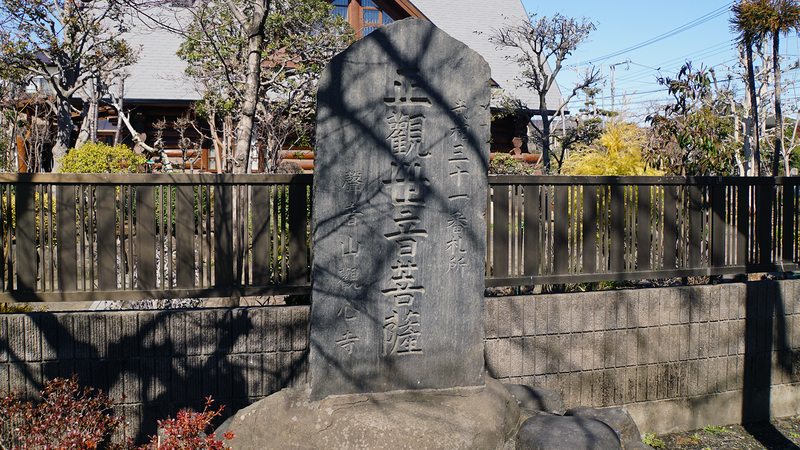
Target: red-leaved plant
{"type": "Point", "coordinates": [69, 417]}
{"type": "Point", "coordinates": [187, 431]}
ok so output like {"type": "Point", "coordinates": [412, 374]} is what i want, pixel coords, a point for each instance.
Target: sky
{"type": "Point", "coordinates": [652, 36]}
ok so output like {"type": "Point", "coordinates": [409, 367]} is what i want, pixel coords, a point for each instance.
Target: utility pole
{"type": "Point", "coordinates": [613, 67]}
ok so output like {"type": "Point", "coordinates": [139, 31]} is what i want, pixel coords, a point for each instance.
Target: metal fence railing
{"type": "Point", "coordinates": [85, 237]}
{"type": "Point", "coordinates": [70, 237]}
{"type": "Point", "coordinates": [562, 229]}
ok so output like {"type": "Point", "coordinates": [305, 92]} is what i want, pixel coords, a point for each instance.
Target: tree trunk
{"type": "Point", "coordinates": [776, 156]}
{"type": "Point", "coordinates": [85, 131]}
{"type": "Point", "coordinates": [244, 129]}
{"type": "Point", "coordinates": [63, 133]}
{"type": "Point", "coordinates": [751, 84]}
{"type": "Point", "coordinates": [545, 136]}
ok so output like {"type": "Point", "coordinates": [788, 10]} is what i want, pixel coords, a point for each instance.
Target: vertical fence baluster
{"type": "Point", "coordinates": [717, 225]}
{"type": "Point", "coordinates": [516, 258]}
{"type": "Point", "coordinates": [129, 231]}
{"type": "Point", "coordinates": [66, 233]}
{"type": "Point", "coordinates": [83, 271]}
{"type": "Point", "coordinates": [560, 230]}
{"type": "Point", "coordinates": [5, 242]}
{"type": "Point", "coordinates": [531, 230]}
{"type": "Point", "coordinates": [223, 235]}
{"type": "Point", "coordinates": [590, 229]}
{"type": "Point", "coordinates": [644, 228]}
{"type": "Point", "coordinates": [146, 215]}
{"type": "Point", "coordinates": [275, 229]}
{"type": "Point", "coordinates": [546, 201]}
{"type": "Point", "coordinates": [184, 236]}
{"type": "Point", "coordinates": [617, 228]}
{"type": "Point", "coordinates": [745, 199]}
{"type": "Point", "coordinates": [282, 206]}
{"type": "Point", "coordinates": [501, 224]}
{"type": "Point", "coordinates": [297, 227]}
{"type": "Point", "coordinates": [247, 214]}
{"type": "Point", "coordinates": [106, 238]}
{"type": "Point", "coordinates": [695, 225]}
{"type": "Point", "coordinates": [764, 223]}
{"type": "Point", "coordinates": [208, 208]}
{"type": "Point", "coordinates": [788, 229]}
{"type": "Point", "coordinates": [261, 244]}
{"type": "Point", "coordinates": [26, 237]}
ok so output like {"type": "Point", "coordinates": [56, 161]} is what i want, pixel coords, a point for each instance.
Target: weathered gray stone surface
{"type": "Point", "coordinates": [480, 418]}
{"type": "Point", "coordinates": [537, 398]}
{"type": "Point", "coordinates": [566, 432]}
{"type": "Point", "coordinates": [636, 446]}
{"type": "Point", "coordinates": [617, 418]}
{"type": "Point", "coordinates": [399, 201]}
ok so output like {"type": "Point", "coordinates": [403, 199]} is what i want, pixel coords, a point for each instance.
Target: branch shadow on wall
{"type": "Point", "coordinates": [766, 335]}
{"type": "Point", "coordinates": [156, 363]}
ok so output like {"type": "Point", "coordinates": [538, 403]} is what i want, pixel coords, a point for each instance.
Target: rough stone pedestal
{"type": "Point", "coordinates": [480, 418]}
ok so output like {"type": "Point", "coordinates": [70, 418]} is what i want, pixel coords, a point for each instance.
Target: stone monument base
{"type": "Point", "coordinates": [481, 418]}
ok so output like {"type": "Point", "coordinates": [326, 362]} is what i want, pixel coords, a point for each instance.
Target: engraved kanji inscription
{"type": "Point", "coordinates": [456, 248]}
{"type": "Point", "coordinates": [406, 133]}
{"type": "Point", "coordinates": [347, 341]}
{"type": "Point", "coordinates": [407, 89]}
{"type": "Point", "coordinates": [353, 181]}
{"type": "Point", "coordinates": [407, 184]}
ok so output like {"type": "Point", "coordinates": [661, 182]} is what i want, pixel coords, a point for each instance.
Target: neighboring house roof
{"type": "Point", "coordinates": [473, 22]}
{"type": "Point", "coordinates": [158, 75]}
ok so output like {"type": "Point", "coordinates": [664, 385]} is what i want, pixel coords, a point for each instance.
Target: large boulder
{"type": "Point", "coordinates": [551, 432]}
{"type": "Point", "coordinates": [617, 418]}
{"type": "Point", "coordinates": [470, 418]}
{"type": "Point", "coordinates": [537, 398]}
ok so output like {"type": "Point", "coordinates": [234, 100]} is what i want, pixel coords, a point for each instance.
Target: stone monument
{"type": "Point", "coordinates": [400, 181]}
{"type": "Point", "coordinates": [397, 324]}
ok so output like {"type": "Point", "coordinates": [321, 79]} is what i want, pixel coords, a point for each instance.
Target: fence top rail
{"type": "Point", "coordinates": [151, 178]}
{"type": "Point", "coordinates": [307, 179]}
{"type": "Point", "coordinates": [640, 180]}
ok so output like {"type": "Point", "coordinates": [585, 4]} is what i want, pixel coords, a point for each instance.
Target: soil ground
{"type": "Point", "coordinates": [779, 434]}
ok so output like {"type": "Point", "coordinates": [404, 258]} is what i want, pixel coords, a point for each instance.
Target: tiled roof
{"type": "Point", "coordinates": [472, 22]}
{"type": "Point", "coordinates": [158, 75]}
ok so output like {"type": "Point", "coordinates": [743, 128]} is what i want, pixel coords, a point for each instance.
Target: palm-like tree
{"type": "Point", "coordinates": [746, 22]}
{"type": "Point", "coordinates": [780, 18]}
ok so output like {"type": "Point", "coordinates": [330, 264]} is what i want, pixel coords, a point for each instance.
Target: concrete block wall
{"type": "Point", "coordinates": [159, 361]}
{"type": "Point", "coordinates": [678, 358]}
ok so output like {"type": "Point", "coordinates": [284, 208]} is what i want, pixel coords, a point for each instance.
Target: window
{"type": "Point", "coordinates": [340, 8]}
{"type": "Point", "coordinates": [364, 15]}
{"type": "Point", "coordinates": [372, 17]}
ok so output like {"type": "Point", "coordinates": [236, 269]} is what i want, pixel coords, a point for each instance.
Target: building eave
{"type": "Point", "coordinates": [400, 9]}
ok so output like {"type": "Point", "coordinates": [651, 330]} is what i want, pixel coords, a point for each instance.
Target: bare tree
{"type": "Point", "coordinates": [272, 94]}
{"type": "Point", "coordinates": [541, 43]}
{"type": "Point", "coordinates": [65, 43]}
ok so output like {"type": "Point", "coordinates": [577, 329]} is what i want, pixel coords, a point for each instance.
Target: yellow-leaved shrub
{"type": "Point", "coordinates": [101, 158]}
{"type": "Point", "coordinates": [618, 152]}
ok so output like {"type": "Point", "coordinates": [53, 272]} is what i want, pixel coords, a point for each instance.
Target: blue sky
{"type": "Point", "coordinates": [683, 30]}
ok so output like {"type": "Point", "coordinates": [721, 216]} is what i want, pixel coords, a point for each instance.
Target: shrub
{"type": "Point", "coordinates": [187, 431]}
{"type": "Point", "coordinates": [505, 164]}
{"type": "Point", "coordinates": [619, 153]}
{"type": "Point", "coordinates": [17, 308]}
{"type": "Point", "coordinates": [69, 417]}
{"type": "Point", "coordinates": [101, 158]}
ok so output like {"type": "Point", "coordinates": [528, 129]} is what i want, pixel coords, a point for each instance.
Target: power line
{"type": "Point", "coordinates": [699, 21]}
